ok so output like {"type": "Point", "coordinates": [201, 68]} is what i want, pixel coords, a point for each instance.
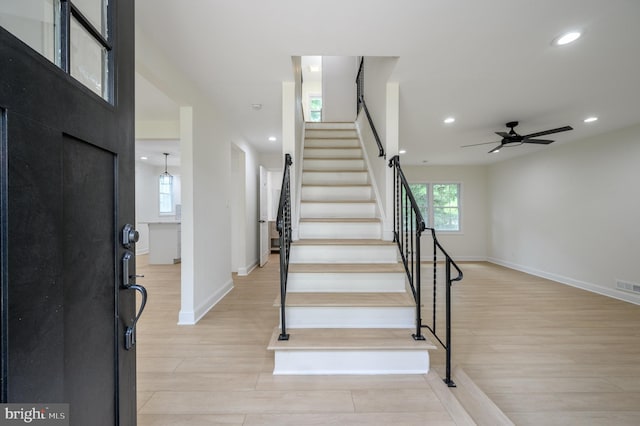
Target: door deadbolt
{"type": "Point", "coordinates": [129, 236]}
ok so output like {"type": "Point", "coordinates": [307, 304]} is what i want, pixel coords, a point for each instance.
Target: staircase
{"type": "Point", "coordinates": [347, 308]}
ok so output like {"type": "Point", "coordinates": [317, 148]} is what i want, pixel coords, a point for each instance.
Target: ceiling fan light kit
{"type": "Point", "coordinates": [512, 138]}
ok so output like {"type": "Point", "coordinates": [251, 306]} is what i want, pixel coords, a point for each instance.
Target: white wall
{"type": "Point", "coordinates": [471, 242]}
{"type": "Point", "coordinates": [570, 212]}
{"type": "Point", "coordinates": [205, 153]}
{"type": "Point", "coordinates": [382, 99]}
{"type": "Point", "coordinates": [292, 137]}
{"type": "Point", "coordinates": [377, 71]}
{"type": "Point", "coordinates": [248, 211]}
{"type": "Point", "coordinates": [339, 88]}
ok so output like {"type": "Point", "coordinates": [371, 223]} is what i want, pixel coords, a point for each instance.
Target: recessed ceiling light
{"type": "Point", "coordinates": [590, 119]}
{"type": "Point", "coordinates": [314, 68]}
{"type": "Point", "coordinates": [256, 106]}
{"type": "Point", "coordinates": [449, 120]}
{"type": "Point", "coordinates": [144, 158]}
{"type": "Point", "coordinates": [567, 38]}
{"type": "Point", "coordinates": [272, 139]}
{"type": "Point", "coordinates": [402, 151]}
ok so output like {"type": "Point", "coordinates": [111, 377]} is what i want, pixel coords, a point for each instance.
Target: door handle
{"type": "Point", "coordinates": [128, 282]}
{"type": "Point", "coordinates": [130, 334]}
{"type": "Point", "coordinates": [261, 221]}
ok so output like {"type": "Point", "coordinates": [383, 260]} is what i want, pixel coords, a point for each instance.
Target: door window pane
{"type": "Point", "coordinates": [95, 12]}
{"type": "Point", "coordinates": [34, 22]}
{"type": "Point", "coordinates": [88, 60]}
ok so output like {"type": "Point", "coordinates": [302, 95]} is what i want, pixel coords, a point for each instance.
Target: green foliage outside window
{"type": "Point", "coordinates": [444, 199]}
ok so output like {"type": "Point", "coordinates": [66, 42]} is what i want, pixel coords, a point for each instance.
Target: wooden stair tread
{"type": "Point", "coordinates": [339, 201]}
{"type": "Point", "coordinates": [348, 300]}
{"type": "Point", "coordinates": [333, 158]}
{"type": "Point", "coordinates": [348, 339]}
{"type": "Point", "coordinates": [345, 242]}
{"type": "Point", "coordinates": [340, 220]}
{"type": "Point", "coordinates": [346, 267]}
{"type": "Point", "coordinates": [334, 171]}
{"type": "Point", "coordinates": [336, 147]}
{"type": "Point", "coordinates": [333, 185]}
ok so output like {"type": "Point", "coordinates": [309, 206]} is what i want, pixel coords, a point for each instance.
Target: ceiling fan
{"type": "Point", "coordinates": [511, 138]}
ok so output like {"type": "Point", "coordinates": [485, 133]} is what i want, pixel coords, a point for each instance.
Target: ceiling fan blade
{"type": "Point", "coordinates": [476, 144]}
{"type": "Point", "coordinates": [540, 141]}
{"type": "Point", "coordinates": [496, 149]}
{"type": "Point", "coordinates": [504, 134]}
{"type": "Point", "coordinates": [548, 132]}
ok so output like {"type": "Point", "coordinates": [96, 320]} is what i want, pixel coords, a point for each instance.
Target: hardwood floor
{"type": "Point", "coordinates": [545, 353]}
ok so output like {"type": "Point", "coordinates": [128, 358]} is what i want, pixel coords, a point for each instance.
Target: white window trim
{"type": "Point", "coordinates": [430, 219]}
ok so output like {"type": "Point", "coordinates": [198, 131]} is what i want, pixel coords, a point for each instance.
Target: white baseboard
{"type": "Point", "coordinates": [243, 271]}
{"type": "Point", "coordinates": [192, 317]}
{"type": "Point", "coordinates": [594, 288]}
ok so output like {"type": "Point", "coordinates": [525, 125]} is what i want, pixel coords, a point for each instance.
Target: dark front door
{"type": "Point", "coordinates": [67, 177]}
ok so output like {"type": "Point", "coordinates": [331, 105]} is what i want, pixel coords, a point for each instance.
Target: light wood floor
{"type": "Point", "coordinates": [545, 353]}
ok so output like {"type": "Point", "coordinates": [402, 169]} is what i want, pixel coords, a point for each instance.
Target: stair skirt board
{"type": "Point", "coordinates": [357, 177]}
{"type": "Point", "coordinates": [343, 209]}
{"type": "Point", "coordinates": [358, 230]}
{"type": "Point", "coordinates": [387, 253]}
{"type": "Point", "coordinates": [350, 317]}
{"type": "Point", "coordinates": [294, 362]}
{"type": "Point", "coordinates": [336, 282]}
{"type": "Point", "coordinates": [336, 192]}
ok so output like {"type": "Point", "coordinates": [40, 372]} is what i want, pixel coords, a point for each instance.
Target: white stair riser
{"type": "Point", "coordinates": [329, 142]}
{"type": "Point", "coordinates": [323, 193]}
{"type": "Point", "coordinates": [351, 282]}
{"type": "Point", "coordinates": [294, 362]}
{"type": "Point", "coordinates": [320, 126]}
{"type": "Point", "coordinates": [321, 133]}
{"type": "Point", "coordinates": [332, 164]}
{"type": "Point", "coordinates": [343, 254]}
{"type": "Point", "coordinates": [332, 153]}
{"type": "Point", "coordinates": [350, 317]}
{"type": "Point", "coordinates": [345, 178]}
{"type": "Point", "coordinates": [336, 210]}
{"type": "Point", "coordinates": [331, 230]}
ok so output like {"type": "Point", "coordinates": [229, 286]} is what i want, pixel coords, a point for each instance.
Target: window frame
{"type": "Point", "coordinates": [170, 194]}
{"type": "Point", "coordinates": [429, 214]}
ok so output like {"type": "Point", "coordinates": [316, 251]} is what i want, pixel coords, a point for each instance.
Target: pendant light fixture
{"type": "Point", "coordinates": [166, 178]}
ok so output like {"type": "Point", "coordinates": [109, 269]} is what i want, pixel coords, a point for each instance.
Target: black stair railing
{"type": "Point", "coordinates": [362, 104]}
{"type": "Point", "coordinates": [283, 223]}
{"type": "Point", "coordinates": [408, 227]}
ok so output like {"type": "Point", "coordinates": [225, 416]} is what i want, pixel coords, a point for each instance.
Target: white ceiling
{"type": "Point", "coordinates": [483, 62]}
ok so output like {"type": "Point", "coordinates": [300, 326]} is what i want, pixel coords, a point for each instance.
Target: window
{"type": "Point", "coordinates": [73, 34]}
{"type": "Point", "coordinates": [315, 107]}
{"type": "Point", "coordinates": [166, 194]}
{"type": "Point", "coordinates": [439, 204]}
